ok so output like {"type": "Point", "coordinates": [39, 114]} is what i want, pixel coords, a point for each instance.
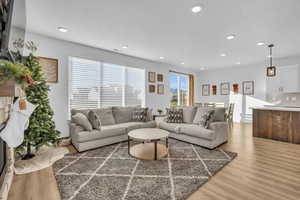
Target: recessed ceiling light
{"type": "Point", "coordinates": [260, 44]}
{"type": "Point", "coordinates": [161, 57]}
{"type": "Point", "coordinates": [230, 37]}
{"type": "Point", "coordinates": [182, 63]}
{"type": "Point", "coordinates": [202, 68]}
{"type": "Point", "coordinates": [238, 63]}
{"type": "Point", "coordinates": [62, 29]}
{"type": "Point", "coordinates": [196, 9]}
{"type": "Point", "coordinates": [223, 55]}
{"type": "Point", "coordinates": [125, 46]}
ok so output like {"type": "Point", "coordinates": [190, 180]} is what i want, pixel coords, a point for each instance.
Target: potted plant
{"type": "Point", "coordinates": [159, 111]}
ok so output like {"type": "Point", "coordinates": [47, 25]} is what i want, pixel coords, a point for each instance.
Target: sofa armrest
{"type": "Point", "coordinates": [220, 129]}
{"type": "Point", "coordinates": [74, 129]}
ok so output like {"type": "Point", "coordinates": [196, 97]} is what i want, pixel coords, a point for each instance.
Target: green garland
{"type": "Point", "coordinates": [15, 71]}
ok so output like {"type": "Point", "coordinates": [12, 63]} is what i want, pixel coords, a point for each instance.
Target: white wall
{"type": "Point", "coordinates": [254, 72]}
{"type": "Point", "coordinates": [62, 50]}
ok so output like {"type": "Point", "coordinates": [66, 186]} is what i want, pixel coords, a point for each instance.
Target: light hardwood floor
{"type": "Point", "coordinates": [264, 169]}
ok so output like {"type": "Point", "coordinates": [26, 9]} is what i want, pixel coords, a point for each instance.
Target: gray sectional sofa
{"type": "Point", "coordinates": [116, 122]}
{"type": "Point", "coordinates": [189, 131]}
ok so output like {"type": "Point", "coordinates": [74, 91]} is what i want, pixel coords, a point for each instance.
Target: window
{"type": "Point", "coordinates": [96, 84]}
{"type": "Point", "coordinates": [179, 88]}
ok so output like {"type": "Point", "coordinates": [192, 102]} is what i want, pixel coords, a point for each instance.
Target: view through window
{"type": "Point", "coordinates": [179, 88]}
{"type": "Point", "coordinates": [95, 84]}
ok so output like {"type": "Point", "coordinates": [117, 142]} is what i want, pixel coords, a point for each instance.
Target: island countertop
{"type": "Point", "coordinates": [278, 108]}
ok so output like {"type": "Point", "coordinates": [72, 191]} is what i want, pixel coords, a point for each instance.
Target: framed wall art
{"type": "Point", "coordinates": [49, 68]}
{"type": "Point", "coordinates": [248, 87]}
{"type": "Point", "coordinates": [206, 90]}
{"type": "Point", "coordinates": [214, 90]}
{"type": "Point", "coordinates": [151, 88]}
{"type": "Point", "coordinates": [151, 77]}
{"type": "Point", "coordinates": [225, 88]}
{"type": "Point", "coordinates": [235, 88]}
{"type": "Point", "coordinates": [160, 77]}
{"type": "Point", "coordinates": [160, 89]}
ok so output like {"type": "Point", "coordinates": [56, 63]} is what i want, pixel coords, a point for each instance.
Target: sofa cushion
{"type": "Point", "coordinates": [122, 114]}
{"type": "Point", "coordinates": [106, 116]}
{"type": "Point", "coordinates": [189, 114]}
{"type": "Point", "coordinates": [174, 115]}
{"type": "Point", "coordinates": [197, 131]}
{"type": "Point", "coordinates": [81, 120]}
{"type": "Point", "coordinates": [173, 127]}
{"type": "Point", "coordinates": [219, 115]}
{"type": "Point", "coordinates": [106, 131]}
{"type": "Point", "coordinates": [129, 126]}
{"type": "Point", "coordinates": [94, 120]}
{"type": "Point", "coordinates": [148, 124]}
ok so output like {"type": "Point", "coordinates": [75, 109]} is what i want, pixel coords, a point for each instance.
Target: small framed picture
{"type": "Point", "coordinates": [151, 77]}
{"type": "Point", "coordinates": [205, 90]}
{"type": "Point", "coordinates": [151, 88]}
{"type": "Point", "coordinates": [160, 89]}
{"type": "Point", "coordinates": [160, 77]}
{"type": "Point", "coordinates": [248, 87]}
{"type": "Point", "coordinates": [49, 69]}
{"type": "Point", "coordinates": [235, 88]}
{"type": "Point", "coordinates": [225, 88]}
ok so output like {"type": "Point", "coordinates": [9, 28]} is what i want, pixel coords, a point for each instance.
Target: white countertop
{"type": "Point", "coordinates": [279, 108]}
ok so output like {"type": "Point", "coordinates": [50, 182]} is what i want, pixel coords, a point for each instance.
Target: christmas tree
{"type": "Point", "coordinates": [41, 130]}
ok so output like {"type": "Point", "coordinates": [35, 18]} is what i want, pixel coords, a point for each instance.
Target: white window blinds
{"type": "Point", "coordinates": [96, 84]}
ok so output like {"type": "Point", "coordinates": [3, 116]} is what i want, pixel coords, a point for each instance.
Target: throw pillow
{"type": "Point", "coordinates": [219, 114]}
{"type": "Point", "coordinates": [81, 120]}
{"type": "Point", "coordinates": [174, 115]}
{"type": "Point", "coordinates": [140, 115]}
{"type": "Point", "coordinates": [94, 120]}
{"type": "Point", "coordinates": [203, 117]}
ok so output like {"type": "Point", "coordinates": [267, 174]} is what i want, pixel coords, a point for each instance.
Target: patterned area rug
{"type": "Point", "coordinates": [110, 173]}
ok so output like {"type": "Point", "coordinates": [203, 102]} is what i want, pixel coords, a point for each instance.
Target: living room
{"type": "Point", "coordinates": [191, 99]}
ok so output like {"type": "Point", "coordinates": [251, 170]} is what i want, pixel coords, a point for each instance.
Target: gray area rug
{"type": "Point", "coordinates": [109, 173]}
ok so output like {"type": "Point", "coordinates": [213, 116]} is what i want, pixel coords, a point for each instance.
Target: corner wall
{"type": "Point", "coordinates": [62, 50]}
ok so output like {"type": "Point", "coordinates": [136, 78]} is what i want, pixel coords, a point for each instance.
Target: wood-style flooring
{"type": "Point", "coordinates": [264, 169]}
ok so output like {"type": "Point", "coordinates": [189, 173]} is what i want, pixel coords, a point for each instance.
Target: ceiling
{"type": "Point", "coordinates": [168, 28]}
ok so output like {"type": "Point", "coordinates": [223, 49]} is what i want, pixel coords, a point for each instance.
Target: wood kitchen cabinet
{"type": "Point", "coordinates": [277, 125]}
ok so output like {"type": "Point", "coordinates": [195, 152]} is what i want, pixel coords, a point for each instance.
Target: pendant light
{"type": "Point", "coordinates": [271, 70]}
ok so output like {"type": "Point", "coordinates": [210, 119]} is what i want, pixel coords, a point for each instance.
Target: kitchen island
{"type": "Point", "coordinates": [277, 122]}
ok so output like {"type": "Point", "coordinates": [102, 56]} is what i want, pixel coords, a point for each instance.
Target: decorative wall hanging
{"type": "Point", "coordinates": [151, 88]}
{"type": "Point", "coordinates": [214, 90]}
{"type": "Point", "coordinates": [151, 77]}
{"type": "Point", "coordinates": [225, 88]}
{"type": "Point", "coordinates": [235, 88]}
{"type": "Point", "coordinates": [205, 90]}
{"type": "Point", "coordinates": [49, 68]}
{"type": "Point", "coordinates": [160, 89]}
{"type": "Point", "coordinates": [160, 77]}
{"type": "Point", "coordinates": [271, 70]}
{"type": "Point", "coordinates": [248, 87]}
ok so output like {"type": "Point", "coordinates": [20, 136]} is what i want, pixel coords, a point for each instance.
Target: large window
{"type": "Point", "coordinates": [96, 84]}
{"type": "Point", "coordinates": [179, 88]}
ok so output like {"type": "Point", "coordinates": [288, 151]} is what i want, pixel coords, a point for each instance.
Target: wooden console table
{"type": "Point", "coordinates": [282, 124]}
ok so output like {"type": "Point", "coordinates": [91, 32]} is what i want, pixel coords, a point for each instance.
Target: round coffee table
{"type": "Point", "coordinates": [149, 149]}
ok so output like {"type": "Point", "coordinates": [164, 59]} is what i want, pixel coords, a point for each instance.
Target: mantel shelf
{"type": "Point", "coordinates": [10, 89]}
